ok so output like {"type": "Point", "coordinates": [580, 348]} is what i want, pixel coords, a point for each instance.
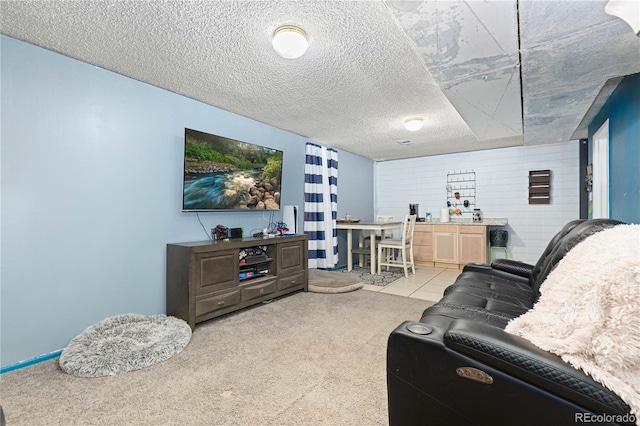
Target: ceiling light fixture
{"type": "Point", "coordinates": [627, 10]}
{"type": "Point", "coordinates": [290, 42]}
{"type": "Point", "coordinates": [413, 124]}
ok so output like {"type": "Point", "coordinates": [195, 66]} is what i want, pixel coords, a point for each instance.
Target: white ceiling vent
{"type": "Point", "coordinates": [405, 142]}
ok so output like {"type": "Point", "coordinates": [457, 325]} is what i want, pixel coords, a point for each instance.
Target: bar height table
{"type": "Point", "coordinates": [372, 228]}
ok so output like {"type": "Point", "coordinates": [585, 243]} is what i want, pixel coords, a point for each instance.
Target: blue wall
{"type": "Point", "coordinates": [623, 111]}
{"type": "Point", "coordinates": [91, 167]}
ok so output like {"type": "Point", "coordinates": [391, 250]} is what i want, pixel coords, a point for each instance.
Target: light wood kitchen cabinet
{"type": "Point", "coordinates": [445, 244]}
{"type": "Point", "coordinates": [450, 245]}
{"type": "Point", "coordinates": [423, 243]}
{"type": "Point", "coordinates": [472, 244]}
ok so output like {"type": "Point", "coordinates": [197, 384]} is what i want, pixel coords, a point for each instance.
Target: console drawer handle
{"type": "Point", "coordinates": [220, 303]}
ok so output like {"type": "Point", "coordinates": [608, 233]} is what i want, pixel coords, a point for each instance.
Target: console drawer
{"type": "Point", "coordinates": [258, 290]}
{"type": "Point", "coordinates": [214, 303]}
{"type": "Point", "coordinates": [291, 280]}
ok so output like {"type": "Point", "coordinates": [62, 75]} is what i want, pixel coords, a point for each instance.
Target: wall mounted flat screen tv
{"type": "Point", "coordinates": [223, 174]}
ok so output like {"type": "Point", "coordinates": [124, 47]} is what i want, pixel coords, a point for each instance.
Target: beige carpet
{"type": "Point", "coordinates": [305, 359]}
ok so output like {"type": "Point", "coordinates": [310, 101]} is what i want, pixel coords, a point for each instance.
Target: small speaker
{"type": "Point", "coordinates": [235, 233]}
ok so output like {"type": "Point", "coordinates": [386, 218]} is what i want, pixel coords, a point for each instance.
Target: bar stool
{"type": "Point", "coordinates": [498, 240]}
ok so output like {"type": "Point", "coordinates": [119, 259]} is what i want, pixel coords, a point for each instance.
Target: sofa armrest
{"type": "Point", "coordinates": [513, 267]}
{"type": "Point", "coordinates": [520, 358]}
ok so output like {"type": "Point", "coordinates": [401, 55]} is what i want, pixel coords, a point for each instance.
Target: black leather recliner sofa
{"type": "Point", "coordinates": [457, 365]}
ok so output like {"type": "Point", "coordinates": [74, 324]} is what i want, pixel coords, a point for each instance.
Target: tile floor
{"type": "Point", "coordinates": [428, 283]}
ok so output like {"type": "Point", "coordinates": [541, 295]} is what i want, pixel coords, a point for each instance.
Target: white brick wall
{"type": "Point", "coordinates": [501, 189]}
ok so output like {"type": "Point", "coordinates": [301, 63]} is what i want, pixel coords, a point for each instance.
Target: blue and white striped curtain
{"type": "Point", "coordinates": [321, 205]}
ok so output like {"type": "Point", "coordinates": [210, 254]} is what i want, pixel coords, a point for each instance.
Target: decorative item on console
{"type": "Point", "coordinates": [282, 228]}
{"type": "Point", "coordinates": [220, 232]}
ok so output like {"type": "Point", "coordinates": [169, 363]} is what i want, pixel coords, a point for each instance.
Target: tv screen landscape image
{"type": "Point", "coordinates": [226, 174]}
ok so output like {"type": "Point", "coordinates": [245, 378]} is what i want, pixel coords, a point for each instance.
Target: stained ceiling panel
{"type": "Point", "coordinates": [471, 48]}
{"type": "Point", "coordinates": [569, 51]}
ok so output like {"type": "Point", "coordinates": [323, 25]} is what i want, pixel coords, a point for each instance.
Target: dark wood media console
{"type": "Point", "coordinates": [203, 278]}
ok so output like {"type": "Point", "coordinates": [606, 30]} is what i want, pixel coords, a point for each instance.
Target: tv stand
{"type": "Point", "coordinates": [204, 278]}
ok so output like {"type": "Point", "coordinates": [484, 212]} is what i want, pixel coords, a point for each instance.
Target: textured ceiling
{"type": "Point", "coordinates": [370, 64]}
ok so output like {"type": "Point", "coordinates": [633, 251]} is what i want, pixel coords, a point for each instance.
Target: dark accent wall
{"type": "Point", "coordinates": [623, 111]}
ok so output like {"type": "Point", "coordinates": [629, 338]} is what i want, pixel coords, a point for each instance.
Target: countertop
{"type": "Point", "coordinates": [489, 221]}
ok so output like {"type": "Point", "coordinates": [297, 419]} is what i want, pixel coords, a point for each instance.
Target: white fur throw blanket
{"type": "Point", "coordinates": [589, 311]}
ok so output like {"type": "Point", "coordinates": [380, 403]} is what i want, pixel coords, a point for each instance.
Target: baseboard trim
{"type": "Point", "coordinates": [448, 265]}
{"type": "Point", "coordinates": [29, 362]}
